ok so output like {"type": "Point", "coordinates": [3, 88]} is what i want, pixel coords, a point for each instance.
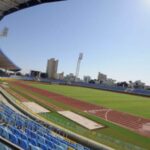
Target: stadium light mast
{"type": "Point", "coordinates": [78, 66]}
{"type": "Point", "coordinates": [4, 32]}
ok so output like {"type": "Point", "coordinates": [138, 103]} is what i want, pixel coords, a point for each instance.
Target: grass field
{"type": "Point", "coordinates": [108, 135]}
{"type": "Point", "coordinates": [117, 101]}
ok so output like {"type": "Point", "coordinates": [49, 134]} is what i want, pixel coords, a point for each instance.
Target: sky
{"type": "Point", "coordinates": [114, 36]}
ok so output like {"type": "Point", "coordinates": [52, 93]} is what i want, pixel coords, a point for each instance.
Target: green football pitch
{"type": "Point", "coordinates": [136, 105]}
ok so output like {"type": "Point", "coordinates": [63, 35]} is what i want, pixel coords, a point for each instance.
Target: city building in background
{"type": "Point", "coordinates": [52, 66]}
{"type": "Point", "coordinates": [109, 82]}
{"type": "Point", "coordinates": [70, 77]}
{"type": "Point", "coordinates": [60, 76]}
{"type": "Point", "coordinates": [86, 79]}
{"type": "Point", "coordinates": [101, 77]}
{"type": "Point", "coordinates": [139, 84]}
{"type": "Point", "coordinates": [43, 75]}
{"type": "Point", "coordinates": [35, 74]}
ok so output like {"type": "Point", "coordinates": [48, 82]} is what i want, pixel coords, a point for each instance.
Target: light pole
{"type": "Point", "coordinates": [78, 66]}
{"type": "Point", "coordinates": [4, 32]}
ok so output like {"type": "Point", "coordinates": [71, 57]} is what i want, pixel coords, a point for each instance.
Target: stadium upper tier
{"type": "Point", "coordinates": [6, 63]}
{"type": "Point", "coordinates": [10, 6]}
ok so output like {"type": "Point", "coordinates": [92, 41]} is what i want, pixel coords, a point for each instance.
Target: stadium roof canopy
{"type": "Point", "coordinates": [10, 6]}
{"type": "Point", "coordinates": [6, 63]}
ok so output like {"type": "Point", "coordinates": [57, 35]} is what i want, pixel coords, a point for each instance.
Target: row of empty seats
{"type": "Point", "coordinates": [31, 135]}
{"type": "Point", "coordinates": [113, 88]}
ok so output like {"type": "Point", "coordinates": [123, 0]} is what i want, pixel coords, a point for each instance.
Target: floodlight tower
{"type": "Point", "coordinates": [4, 32]}
{"type": "Point", "coordinates": [78, 66]}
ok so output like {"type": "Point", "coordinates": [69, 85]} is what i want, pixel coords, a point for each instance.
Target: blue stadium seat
{"type": "Point", "coordinates": [59, 148]}
{"type": "Point", "coordinates": [32, 147]}
{"type": "Point", "coordinates": [32, 141]}
{"type": "Point", "coordinates": [19, 123]}
{"type": "Point", "coordinates": [1, 129]}
{"type": "Point", "coordinates": [33, 135]}
{"type": "Point", "coordinates": [64, 146]}
{"type": "Point", "coordinates": [50, 144]}
{"type": "Point", "coordinates": [17, 132]}
{"type": "Point", "coordinates": [28, 132]}
{"type": "Point", "coordinates": [23, 144]}
{"type": "Point", "coordinates": [23, 136]}
{"type": "Point", "coordinates": [43, 146]}
{"type": "Point", "coordinates": [5, 133]}
{"type": "Point", "coordinates": [41, 139]}
{"type": "Point", "coordinates": [40, 133]}
{"type": "Point", "coordinates": [13, 138]}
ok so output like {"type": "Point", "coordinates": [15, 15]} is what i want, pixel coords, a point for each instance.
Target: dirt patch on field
{"type": "Point", "coordinates": [87, 123]}
{"type": "Point", "coordinates": [35, 107]}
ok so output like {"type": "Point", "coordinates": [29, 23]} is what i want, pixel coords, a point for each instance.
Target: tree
{"type": "Point", "coordinates": [92, 82]}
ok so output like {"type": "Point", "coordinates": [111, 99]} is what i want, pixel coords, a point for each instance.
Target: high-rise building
{"type": "Point", "coordinates": [52, 66]}
{"type": "Point", "coordinates": [101, 77]}
{"type": "Point", "coordinates": [60, 76]}
{"type": "Point", "coordinates": [86, 79]}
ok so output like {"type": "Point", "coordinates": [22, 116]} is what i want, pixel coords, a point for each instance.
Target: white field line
{"type": "Point", "coordinates": [106, 114]}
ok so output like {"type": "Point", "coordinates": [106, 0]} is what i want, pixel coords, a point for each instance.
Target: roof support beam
{"type": "Point", "coordinates": [10, 6]}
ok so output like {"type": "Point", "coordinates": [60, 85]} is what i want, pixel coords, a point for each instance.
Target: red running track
{"type": "Point", "coordinates": [126, 120]}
